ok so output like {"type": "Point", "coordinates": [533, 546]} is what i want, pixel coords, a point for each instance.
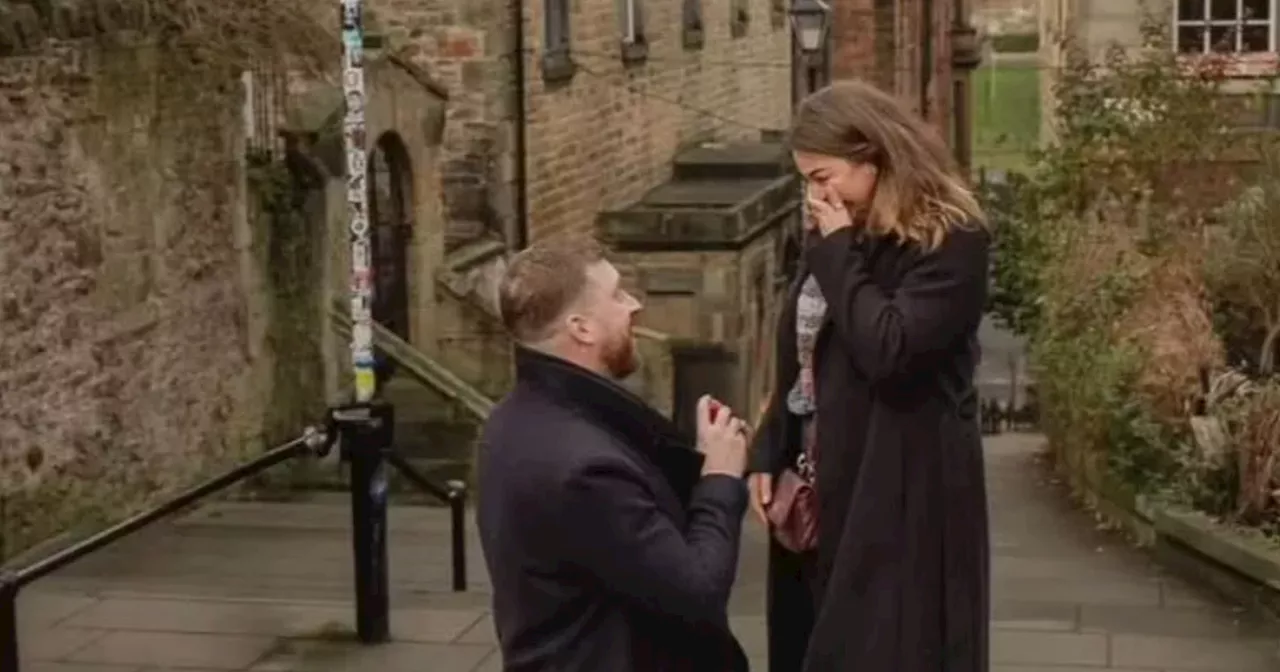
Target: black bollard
{"type": "Point", "coordinates": [366, 431]}
{"type": "Point", "coordinates": [9, 622]}
{"type": "Point", "coordinates": [458, 516]}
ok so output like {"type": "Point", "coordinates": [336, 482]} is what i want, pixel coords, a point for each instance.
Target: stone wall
{"type": "Point", "coordinates": [467, 46]}
{"type": "Point", "coordinates": [147, 327]}
{"type": "Point", "coordinates": [602, 135]}
{"type": "Point", "coordinates": [723, 297]}
{"type": "Point", "coordinates": [128, 348]}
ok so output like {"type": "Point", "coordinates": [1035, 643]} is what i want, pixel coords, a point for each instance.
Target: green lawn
{"type": "Point", "coordinates": [1006, 114]}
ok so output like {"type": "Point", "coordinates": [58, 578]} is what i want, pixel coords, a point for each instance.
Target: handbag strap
{"type": "Point", "coordinates": [807, 460]}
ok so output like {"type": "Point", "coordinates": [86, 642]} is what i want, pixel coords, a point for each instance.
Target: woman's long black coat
{"type": "Point", "coordinates": [900, 579]}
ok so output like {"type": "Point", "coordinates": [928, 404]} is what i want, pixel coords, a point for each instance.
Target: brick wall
{"type": "Point", "coordinates": [603, 138]}
{"type": "Point", "coordinates": [884, 41]}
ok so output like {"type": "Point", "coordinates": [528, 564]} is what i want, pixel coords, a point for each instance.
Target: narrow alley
{"type": "Point", "coordinates": [266, 587]}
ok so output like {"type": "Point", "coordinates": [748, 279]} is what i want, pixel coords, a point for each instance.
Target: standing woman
{"type": "Point", "coordinates": [877, 346]}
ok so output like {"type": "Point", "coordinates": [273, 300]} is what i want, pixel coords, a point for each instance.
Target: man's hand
{"type": "Point", "coordinates": [761, 487]}
{"type": "Point", "coordinates": [722, 439]}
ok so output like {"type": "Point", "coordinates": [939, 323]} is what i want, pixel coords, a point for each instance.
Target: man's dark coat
{"type": "Point", "coordinates": [900, 579]}
{"type": "Point", "coordinates": [607, 548]}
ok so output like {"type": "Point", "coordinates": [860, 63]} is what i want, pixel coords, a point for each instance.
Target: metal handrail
{"type": "Point", "coordinates": [365, 431]}
{"type": "Point", "coordinates": [312, 439]}
{"type": "Point", "coordinates": [455, 495]}
{"type": "Point", "coordinates": [12, 581]}
{"type": "Point", "coordinates": [419, 365]}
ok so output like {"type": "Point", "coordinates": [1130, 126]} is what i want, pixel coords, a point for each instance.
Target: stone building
{"type": "Point", "coordinates": [1247, 30]}
{"type": "Point", "coordinates": [641, 113]}
{"type": "Point", "coordinates": [923, 50]}
{"type": "Point", "coordinates": [174, 252]}
{"type": "Point", "coordinates": [576, 124]}
{"type": "Point", "coordinates": [174, 248]}
{"type": "Point", "coordinates": [171, 246]}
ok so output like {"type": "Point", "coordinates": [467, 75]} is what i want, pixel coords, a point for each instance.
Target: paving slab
{"type": "Point", "coordinates": [1059, 668]}
{"type": "Point", "coordinates": [1057, 648]}
{"type": "Point", "coordinates": [1194, 653]}
{"type": "Point", "coordinates": [331, 656]}
{"type": "Point", "coordinates": [76, 667]}
{"type": "Point", "coordinates": [266, 587]}
{"type": "Point", "coordinates": [174, 650]}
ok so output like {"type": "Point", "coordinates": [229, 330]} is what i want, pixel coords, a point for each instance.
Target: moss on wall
{"type": "Point", "coordinates": [290, 240]}
{"type": "Point", "coordinates": [129, 313]}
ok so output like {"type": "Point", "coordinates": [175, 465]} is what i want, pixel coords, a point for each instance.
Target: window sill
{"type": "Point", "coordinates": [558, 66]}
{"type": "Point", "coordinates": [1248, 65]}
{"type": "Point", "coordinates": [694, 38]}
{"type": "Point", "coordinates": [635, 53]}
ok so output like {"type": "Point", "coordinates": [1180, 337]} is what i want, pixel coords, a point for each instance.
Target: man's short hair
{"type": "Point", "coordinates": [542, 281]}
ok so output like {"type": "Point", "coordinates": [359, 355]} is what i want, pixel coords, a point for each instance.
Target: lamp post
{"type": "Point", "coordinates": [810, 38]}
{"type": "Point", "coordinates": [810, 71]}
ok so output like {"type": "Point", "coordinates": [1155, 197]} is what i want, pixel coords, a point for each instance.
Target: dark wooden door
{"type": "Point", "coordinates": [391, 229]}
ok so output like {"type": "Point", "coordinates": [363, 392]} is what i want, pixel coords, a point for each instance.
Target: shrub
{"type": "Point", "coordinates": [1243, 267]}
{"type": "Point", "coordinates": [1124, 253]}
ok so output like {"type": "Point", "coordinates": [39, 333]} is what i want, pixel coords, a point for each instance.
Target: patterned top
{"type": "Point", "coordinates": [811, 310]}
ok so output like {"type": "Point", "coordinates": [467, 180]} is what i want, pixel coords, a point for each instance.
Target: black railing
{"type": "Point", "coordinates": [364, 434]}
{"type": "Point", "coordinates": [998, 417]}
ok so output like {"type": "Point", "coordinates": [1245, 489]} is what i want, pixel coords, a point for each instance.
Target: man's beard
{"type": "Point", "coordinates": [620, 356]}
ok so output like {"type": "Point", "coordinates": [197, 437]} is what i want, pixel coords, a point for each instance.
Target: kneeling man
{"type": "Point", "coordinates": [611, 542]}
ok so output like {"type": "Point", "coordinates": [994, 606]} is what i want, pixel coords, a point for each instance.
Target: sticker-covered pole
{"type": "Point", "coordinates": [353, 135]}
{"type": "Point", "coordinates": [366, 426]}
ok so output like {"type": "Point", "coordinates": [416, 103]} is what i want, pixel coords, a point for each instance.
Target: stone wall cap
{"type": "Point", "coordinates": [736, 153]}
{"type": "Point", "coordinates": [704, 194]}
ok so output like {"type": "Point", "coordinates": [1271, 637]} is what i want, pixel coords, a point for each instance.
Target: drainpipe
{"type": "Point", "coordinates": [926, 56]}
{"type": "Point", "coordinates": [965, 57]}
{"type": "Point", "coordinates": [519, 236]}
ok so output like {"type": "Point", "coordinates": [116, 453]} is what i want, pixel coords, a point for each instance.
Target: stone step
{"type": "Point", "coordinates": [436, 440]}
{"type": "Point", "coordinates": [415, 402]}
{"type": "Point", "coordinates": [401, 490]}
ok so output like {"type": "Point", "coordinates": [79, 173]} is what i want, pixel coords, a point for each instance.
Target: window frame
{"type": "Point", "coordinates": [557, 41]}
{"type": "Point", "coordinates": [739, 18]}
{"type": "Point", "coordinates": [1208, 23]}
{"type": "Point", "coordinates": [693, 23]}
{"type": "Point", "coordinates": [778, 13]}
{"type": "Point", "coordinates": [631, 31]}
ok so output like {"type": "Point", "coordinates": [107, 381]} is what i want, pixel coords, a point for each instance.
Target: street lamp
{"type": "Point", "coordinates": [810, 25]}
{"type": "Point", "coordinates": [809, 19]}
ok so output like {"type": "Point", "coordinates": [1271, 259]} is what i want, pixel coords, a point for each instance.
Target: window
{"type": "Point", "coordinates": [630, 21]}
{"type": "Point", "coordinates": [693, 30]}
{"type": "Point", "coordinates": [1236, 26]}
{"type": "Point", "coordinates": [631, 27]}
{"type": "Point", "coordinates": [778, 13]}
{"type": "Point", "coordinates": [740, 17]}
{"type": "Point", "coordinates": [557, 64]}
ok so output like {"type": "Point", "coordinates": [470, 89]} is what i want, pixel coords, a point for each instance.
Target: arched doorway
{"type": "Point", "coordinates": [390, 180]}
{"type": "Point", "coordinates": [391, 228]}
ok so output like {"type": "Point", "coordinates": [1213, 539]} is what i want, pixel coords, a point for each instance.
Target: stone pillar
{"type": "Point", "coordinates": [966, 56]}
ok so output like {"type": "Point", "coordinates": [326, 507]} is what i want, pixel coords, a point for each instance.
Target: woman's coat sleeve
{"type": "Point", "coordinates": [893, 336]}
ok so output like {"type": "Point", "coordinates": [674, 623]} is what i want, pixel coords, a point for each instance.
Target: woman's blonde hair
{"type": "Point", "coordinates": [920, 194]}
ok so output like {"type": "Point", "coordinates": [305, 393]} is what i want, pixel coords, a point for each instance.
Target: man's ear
{"type": "Point", "coordinates": [578, 329]}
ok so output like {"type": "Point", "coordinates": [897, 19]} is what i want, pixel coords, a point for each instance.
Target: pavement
{"type": "Point", "coordinates": [266, 587]}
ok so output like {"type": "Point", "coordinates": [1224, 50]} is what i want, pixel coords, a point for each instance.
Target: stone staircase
{"type": "Point", "coordinates": [437, 413]}
{"type": "Point", "coordinates": [430, 432]}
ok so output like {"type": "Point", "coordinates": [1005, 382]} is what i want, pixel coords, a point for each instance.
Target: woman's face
{"type": "Point", "coordinates": [835, 178]}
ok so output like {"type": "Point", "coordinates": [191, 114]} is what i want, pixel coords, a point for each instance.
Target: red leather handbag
{"type": "Point", "coordinates": [793, 513]}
